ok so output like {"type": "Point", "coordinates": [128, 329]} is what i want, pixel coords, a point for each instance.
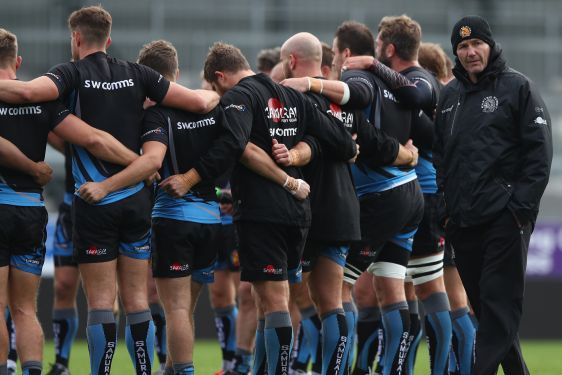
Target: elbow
{"type": "Point", "coordinates": [94, 141]}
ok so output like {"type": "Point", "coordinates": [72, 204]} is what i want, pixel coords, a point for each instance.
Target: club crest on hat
{"type": "Point", "coordinates": [465, 31]}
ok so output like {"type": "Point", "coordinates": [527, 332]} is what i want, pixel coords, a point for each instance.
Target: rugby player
{"type": "Point", "coordinates": [23, 213]}
{"type": "Point", "coordinates": [111, 94]}
{"type": "Point", "coordinates": [271, 224]}
{"type": "Point", "coordinates": [397, 45]}
{"type": "Point", "coordinates": [390, 197]}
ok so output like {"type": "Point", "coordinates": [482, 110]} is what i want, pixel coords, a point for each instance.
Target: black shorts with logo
{"type": "Point", "coordinates": [388, 216]}
{"type": "Point", "coordinates": [101, 233]}
{"type": "Point", "coordinates": [22, 237]}
{"type": "Point", "coordinates": [227, 257]}
{"type": "Point", "coordinates": [270, 251]}
{"type": "Point", "coordinates": [184, 248]}
{"type": "Point", "coordinates": [449, 256]}
{"type": "Point", "coordinates": [430, 237]}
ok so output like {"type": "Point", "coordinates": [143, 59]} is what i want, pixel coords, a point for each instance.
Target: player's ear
{"type": "Point", "coordinates": [390, 50]}
{"type": "Point", "coordinates": [19, 60]}
{"type": "Point", "coordinates": [347, 53]}
{"type": "Point", "coordinates": [219, 75]}
{"type": "Point", "coordinates": [177, 74]}
{"type": "Point", "coordinates": [108, 43]}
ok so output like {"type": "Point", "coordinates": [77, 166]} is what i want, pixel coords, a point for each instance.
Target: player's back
{"type": "Point", "coordinates": [110, 97]}
{"type": "Point", "coordinates": [27, 127]}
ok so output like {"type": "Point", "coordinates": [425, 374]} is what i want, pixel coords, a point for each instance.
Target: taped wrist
{"type": "Point", "coordinates": [292, 185]}
{"type": "Point", "coordinates": [294, 157]}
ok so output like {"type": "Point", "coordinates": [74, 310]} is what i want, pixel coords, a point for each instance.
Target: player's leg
{"type": "Point", "coordinates": [4, 336]}
{"type": "Point", "coordinates": [23, 288]}
{"type": "Point", "coordinates": [415, 334]}
{"type": "Point", "coordinates": [12, 352]}
{"type": "Point", "coordinates": [325, 284]}
{"type": "Point", "coordinates": [461, 357]}
{"type": "Point", "coordinates": [246, 326]}
{"type": "Point", "coordinates": [428, 280]}
{"type": "Point", "coordinates": [159, 319]}
{"type": "Point", "coordinates": [26, 263]}
{"type": "Point", "coordinates": [222, 294]}
{"type": "Point", "coordinates": [66, 280]}
{"type": "Point", "coordinates": [309, 325]}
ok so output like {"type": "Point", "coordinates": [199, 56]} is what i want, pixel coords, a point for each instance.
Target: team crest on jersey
{"type": "Point", "coordinates": [489, 104]}
{"type": "Point", "coordinates": [465, 32]}
{"type": "Point", "coordinates": [335, 110]}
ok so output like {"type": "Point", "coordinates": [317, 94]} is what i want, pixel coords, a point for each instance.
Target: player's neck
{"type": "Point", "coordinates": [7, 73]}
{"type": "Point", "coordinates": [400, 65]}
{"type": "Point", "coordinates": [82, 53]}
{"type": "Point", "coordinates": [243, 74]}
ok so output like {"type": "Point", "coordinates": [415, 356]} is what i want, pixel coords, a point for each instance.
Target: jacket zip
{"type": "Point", "coordinates": [455, 114]}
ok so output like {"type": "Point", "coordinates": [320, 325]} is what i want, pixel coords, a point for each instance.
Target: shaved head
{"type": "Point", "coordinates": [301, 55]}
{"type": "Point", "coordinates": [304, 46]}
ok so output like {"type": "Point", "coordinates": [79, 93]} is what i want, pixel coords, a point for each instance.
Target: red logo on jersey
{"type": "Point", "coordinates": [277, 111]}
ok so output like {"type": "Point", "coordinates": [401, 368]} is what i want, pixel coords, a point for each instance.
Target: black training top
{"type": "Point", "coordinates": [203, 142]}
{"type": "Point", "coordinates": [259, 110]}
{"type": "Point", "coordinates": [335, 208]}
{"type": "Point", "coordinates": [111, 93]}
{"type": "Point", "coordinates": [27, 127]}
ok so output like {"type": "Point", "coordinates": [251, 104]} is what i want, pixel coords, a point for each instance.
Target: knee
{"type": "Point", "coordinates": [65, 289]}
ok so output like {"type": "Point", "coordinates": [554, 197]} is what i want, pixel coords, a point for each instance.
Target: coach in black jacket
{"type": "Point", "coordinates": [492, 152]}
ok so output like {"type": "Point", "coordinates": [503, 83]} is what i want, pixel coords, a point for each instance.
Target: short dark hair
{"type": "Point", "coordinates": [357, 37]}
{"type": "Point", "coordinates": [161, 56]}
{"type": "Point", "coordinates": [93, 22]}
{"type": "Point", "coordinates": [223, 57]}
{"type": "Point", "coordinates": [327, 55]}
{"type": "Point", "coordinates": [268, 58]}
{"type": "Point", "coordinates": [404, 33]}
{"type": "Point", "coordinates": [8, 48]}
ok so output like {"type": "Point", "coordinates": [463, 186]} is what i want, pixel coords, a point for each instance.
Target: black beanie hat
{"type": "Point", "coordinates": [471, 27]}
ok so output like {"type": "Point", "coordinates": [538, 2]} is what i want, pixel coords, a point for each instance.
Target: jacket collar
{"type": "Point", "coordinates": [496, 65]}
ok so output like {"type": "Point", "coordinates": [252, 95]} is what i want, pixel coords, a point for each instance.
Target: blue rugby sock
{"type": "Point", "coordinates": [225, 323]}
{"type": "Point", "coordinates": [139, 336]}
{"type": "Point", "coordinates": [464, 335]}
{"type": "Point", "coordinates": [396, 322]}
{"type": "Point", "coordinates": [335, 339]}
{"type": "Point", "coordinates": [31, 368]}
{"type": "Point", "coordinates": [438, 328]}
{"type": "Point", "coordinates": [260, 360]}
{"type": "Point", "coordinates": [102, 340]}
{"type": "Point", "coordinates": [159, 320]}
{"type": "Point", "coordinates": [278, 334]}
{"type": "Point", "coordinates": [414, 336]}
{"type": "Point", "coordinates": [368, 325]}
{"type": "Point", "coordinates": [184, 368]}
{"type": "Point", "coordinates": [65, 326]}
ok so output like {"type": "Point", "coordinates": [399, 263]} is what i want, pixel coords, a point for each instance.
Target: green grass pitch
{"type": "Point", "coordinates": [543, 357]}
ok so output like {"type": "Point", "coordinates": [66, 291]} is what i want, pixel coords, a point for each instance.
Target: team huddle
{"type": "Point", "coordinates": [323, 200]}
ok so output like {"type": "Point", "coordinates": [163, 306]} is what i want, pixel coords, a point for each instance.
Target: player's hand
{"type": "Point", "coordinates": [93, 192]}
{"type": "Point", "coordinates": [358, 62]}
{"type": "Point", "coordinates": [281, 154]}
{"type": "Point", "coordinates": [152, 179]}
{"type": "Point", "coordinates": [42, 173]}
{"type": "Point", "coordinates": [414, 150]}
{"type": "Point", "coordinates": [300, 84]}
{"type": "Point", "coordinates": [177, 185]}
{"type": "Point", "coordinates": [297, 187]}
{"type": "Point", "coordinates": [353, 159]}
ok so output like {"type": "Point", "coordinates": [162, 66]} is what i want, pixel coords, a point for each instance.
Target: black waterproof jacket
{"type": "Point", "coordinates": [493, 145]}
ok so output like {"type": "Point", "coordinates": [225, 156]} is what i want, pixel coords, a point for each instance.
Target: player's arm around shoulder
{"type": "Point", "coordinates": [41, 89]}
{"type": "Point", "coordinates": [197, 101]}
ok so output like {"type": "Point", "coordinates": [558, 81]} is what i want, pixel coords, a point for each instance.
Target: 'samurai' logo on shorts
{"type": "Point", "coordinates": [179, 267]}
{"type": "Point", "coordinates": [92, 250]}
{"type": "Point", "coordinates": [271, 270]}
{"type": "Point", "coordinates": [367, 251]}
